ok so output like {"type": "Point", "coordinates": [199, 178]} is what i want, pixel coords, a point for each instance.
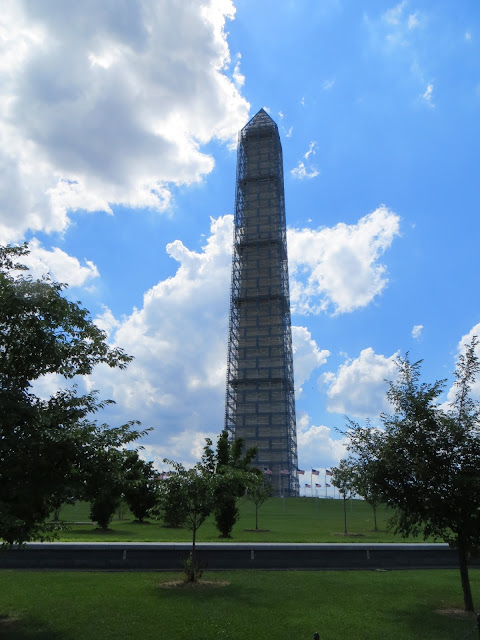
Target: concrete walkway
{"type": "Point", "coordinates": [160, 556]}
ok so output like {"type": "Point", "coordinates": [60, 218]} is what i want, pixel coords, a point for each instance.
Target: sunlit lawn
{"type": "Point", "coordinates": [280, 520]}
{"type": "Point", "coordinates": [254, 605]}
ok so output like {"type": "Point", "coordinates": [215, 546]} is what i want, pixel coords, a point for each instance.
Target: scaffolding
{"type": "Point", "coordinates": [260, 398]}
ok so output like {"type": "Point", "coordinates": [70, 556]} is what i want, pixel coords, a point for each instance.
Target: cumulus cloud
{"type": "Point", "coordinates": [463, 342]}
{"type": "Point", "coordinates": [112, 108]}
{"type": "Point", "coordinates": [61, 267]}
{"type": "Point", "coordinates": [176, 383]}
{"type": "Point", "coordinates": [417, 331]}
{"type": "Point", "coordinates": [337, 268]}
{"type": "Point", "coordinates": [394, 15]}
{"type": "Point", "coordinates": [301, 171]}
{"type": "Point", "coordinates": [316, 446]}
{"type": "Point", "coordinates": [307, 356]}
{"type": "Point", "coordinates": [358, 388]}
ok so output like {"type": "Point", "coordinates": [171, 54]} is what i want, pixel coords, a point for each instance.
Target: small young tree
{"type": "Point", "coordinates": [234, 474]}
{"type": "Point", "coordinates": [343, 478]}
{"type": "Point", "coordinates": [258, 492]}
{"type": "Point", "coordinates": [195, 491]}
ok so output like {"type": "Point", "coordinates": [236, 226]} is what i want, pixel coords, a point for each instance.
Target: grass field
{"type": "Point", "coordinates": [280, 520]}
{"type": "Point", "coordinates": [254, 605]}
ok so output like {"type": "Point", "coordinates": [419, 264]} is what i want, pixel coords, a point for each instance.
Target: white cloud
{"type": "Point", "coordinates": [394, 15]}
{"type": "Point", "coordinates": [311, 150]}
{"type": "Point", "coordinates": [306, 356]}
{"type": "Point", "coordinates": [105, 103]}
{"type": "Point", "coordinates": [428, 95]}
{"type": "Point", "coordinates": [238, 77]}
{"type": "Point", "coordinates": [468, 36]}
{"type": "Point", "coordinates": [358, 388]}
{"type": "Point", "coordinates": [301, 172]}
{"type": "Point", "coordinates": [463, 342]}
{"type": "Point", "coordinates": [338, 267]}
{"type": "Point", "coordinates": [176, 383]}
{"type": "Point", "coordinates": [417, 331]}
{"type": "Point", "coordinates": [57, 263]}
{"type": "Point", "coordinates": [413, 21]}
{"type": "Point", "coordinates": [317, 449]}
{"type": "Point", "coordinates": [328, 84]}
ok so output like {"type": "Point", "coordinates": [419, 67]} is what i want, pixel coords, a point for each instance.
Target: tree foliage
{"type": "Point", "coordinates": [258, 492]}
{"type": "Point", "coordinates": [141, 485]}
{"type": "Point", "coordinates": [194, 491]}
{"type": "Point", "coordinates": [234, 474]}
{"type": "Point", "coordinates": [45, 443]}
{"type": "Point", "coordinates": [343, 477]}
{"type": "Point", "coordinates": [425, 462]}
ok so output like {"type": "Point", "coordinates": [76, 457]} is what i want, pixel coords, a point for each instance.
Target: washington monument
{"type": "Point", "coordinates": [260, 399]}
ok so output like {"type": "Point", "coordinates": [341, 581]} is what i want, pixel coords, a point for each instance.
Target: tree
{"type": "Point", "coordinates": [234, 474]}
{"type": "Point", "coordinates": [141, 485]}
{"type": "Point", "coordinates": [425, 462]}
{"type": "Point", "coordinates": [170, 507]}
{"type": "Point", "coordinates": [360, 465]}
{"type": "Point", "coordinates": [194, 490]}
{"type": "Point", "coordinates": [343, 477]}
{"type": "Point", "coordinates": [44, 442]}
{"type": "Point", "coordinates": [258, 493]}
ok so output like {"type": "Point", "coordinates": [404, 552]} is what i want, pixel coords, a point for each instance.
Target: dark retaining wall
{"type": "Point", "coordinates": [169, 557]}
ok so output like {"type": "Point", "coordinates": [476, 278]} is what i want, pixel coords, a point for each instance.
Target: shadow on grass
{"type": "Point", "coordinates": [16, 628]}
{"type": "Point", "coordinates": [439, 625]}
{"type": "Point", "coordinates": [103, 532]}
{"type": "Point", "coordinates": [229, 593]}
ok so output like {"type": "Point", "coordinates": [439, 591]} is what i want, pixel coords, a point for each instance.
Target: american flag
{"type": "Point", "coordinates": [315, 472]}
{"type": "Point", "coordinates": [284, 472]}
{"type": "Point", "coordinates": [300, 472]}
{"type": "Point", "coordinates": [327, 485]}
{"type": "Point", "coordinates": [318, 486]}
{"type": "Point", "coordinates": [267, 471]}
{"type": "Point", "coordinates": [308, 486]}
{"type": "Point", "coordinates": [328, 472]}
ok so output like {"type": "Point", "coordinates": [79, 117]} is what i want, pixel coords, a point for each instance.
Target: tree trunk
{"type": "Point", "coordinates": [345, 513]}
{"type": "Point", "coordinates": [375, 517]}
{"type": "Point", "coordinates": [256, 516]}
{"type": "Point", "coordinates": [463, 561]}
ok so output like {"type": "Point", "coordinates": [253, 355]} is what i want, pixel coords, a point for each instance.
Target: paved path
{"type": "Point", "coordinates": [153, 556]}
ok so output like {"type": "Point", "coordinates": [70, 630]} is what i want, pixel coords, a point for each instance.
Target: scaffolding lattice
{"type": "Point", "coordinates": [260, 398]}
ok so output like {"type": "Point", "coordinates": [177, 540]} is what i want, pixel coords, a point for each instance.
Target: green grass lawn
{"type": "Point", "coordinates": [254, 605]}
{"type": "Point", "coordinates": [280, 520]}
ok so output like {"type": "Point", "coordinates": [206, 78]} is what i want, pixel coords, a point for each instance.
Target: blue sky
{"type": "Point", "coordinates": [118, 125]}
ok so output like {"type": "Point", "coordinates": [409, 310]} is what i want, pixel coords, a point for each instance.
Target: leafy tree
{"type": "Point", "coordinates": [343, 477]}
{"type": "Point", "coordinates": [170, 507]}
{"type": "Point", "coordinates": [360, 465]}
{"type": "Point", "coordinates": [44, 442]}
{"type": "Point", "coordinates": [141, 485]}
{"type": "Point", "coordinates": [425, 463]}
{"type": "Point", "coordinates": [194, 490]}
{"type": "Point", "coordinates": [258, 492]}
{"type": "Point", "coordinates": [234, 474]}
{"type": "Point", "coordinates": [105, 468]}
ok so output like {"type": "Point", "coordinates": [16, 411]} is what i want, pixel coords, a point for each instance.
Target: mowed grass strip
{"type": "Point", "coordinates": [254, 604]}
{"type": "Point", "coordinates": [280, 520]}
